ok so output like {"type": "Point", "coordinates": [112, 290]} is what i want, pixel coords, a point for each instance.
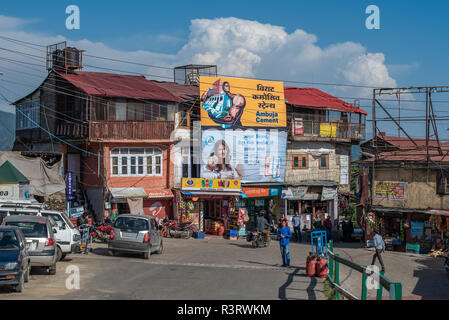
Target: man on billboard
{"type": "Point", "coordinates": [222, 106]}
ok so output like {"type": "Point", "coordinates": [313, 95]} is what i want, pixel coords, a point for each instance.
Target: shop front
{"type": "Point", "coordinates": [258, 198]}
{"type": "Point", "coordinates": [412, 230]}
{"type": "Point", "coordinates": [155, 203]}
{"type": "Point", "coordinates": [212, 205]}
{"type": "Point", "coordinates": [311, 202]}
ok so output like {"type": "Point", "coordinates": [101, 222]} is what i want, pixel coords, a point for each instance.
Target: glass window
{"type": "Point", "coordinates": [120, 109]}
{"type": "Point", "coordinates": [324, 161]}
{"type": "Point", "coordinates": [31, 229]}
{"type": "Point", "coordinates": [131, 112]}
{"type": "Point", "coordinates": [149, 112]}
{"type": "Point", "coordinates": [136, 162]}
{"type": "Point", "coordinates": [300, 161]}
{"type": "Point", "coordinates": [8, 240]}
{"type": "Point", "coordinates": [129, 224]}
{"type": "Point", "coordinates": [139, 107]}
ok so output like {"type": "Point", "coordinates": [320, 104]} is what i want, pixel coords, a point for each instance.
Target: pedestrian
{"type": "Point", "coordinates": [263, 226]}
{"type": "Point", "coordinates": [285, 234]}
{"type": "Point", "coordinates": [350, 229]}
{"type": "Point", "coordinates": [297, 226]}
{"type": "Point", "coordinates": [328, 226]}
{"type": "Point", "coordinates": [379, 245]}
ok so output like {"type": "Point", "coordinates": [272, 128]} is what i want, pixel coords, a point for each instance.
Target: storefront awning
{"type": "Point", "coordinates": [162, 193]}
{"type": "Point", "coordinates": [439, 212]}
{"type": "Point", "coordinates": [121, 193]}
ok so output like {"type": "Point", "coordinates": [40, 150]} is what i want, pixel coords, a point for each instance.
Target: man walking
{"type": "Point", "coordinates": [379, 245]}
{"type": "Point", "coordinates": [297, 226]}
{"type": "Point", "coordinates": [285, 234]}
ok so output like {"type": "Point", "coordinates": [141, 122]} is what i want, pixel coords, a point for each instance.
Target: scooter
{"type": "Point", "coordinates": [172, 229]}
{"type": "Point", "coordinates": [257, 239]}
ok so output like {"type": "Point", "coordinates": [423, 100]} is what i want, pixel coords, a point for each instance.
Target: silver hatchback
{"type": "Point", "coordinates": [40, 240]}
{"type": "Point", "coordinates": [135, 234]}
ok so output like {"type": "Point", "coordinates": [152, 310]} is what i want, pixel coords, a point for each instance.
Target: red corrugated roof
{"type": "Point", "coordinates": [315, 98]}
{"type": "Point", "coordinates": [405, 143]}
{"type": "Point", "coordinates": [119, 85]}
{"type": "Point", "coordinates": [182, 91]}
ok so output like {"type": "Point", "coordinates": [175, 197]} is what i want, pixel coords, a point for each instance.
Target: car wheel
{"type": "Point", "coordinates": [19, 287]}
{"type": "Point", "coordinates": [63, 256]}
{"type": "Point", "coordinates": [52, 270]}
{"type": "Point", "coordinates": [147, 255]}
{"type": "Point", "coordinates": [112, 253]}
{"type": "Point", "coordinates": [161, 248]}
{"type": "Point", "coordinates": [58, 254]}
{"type": "Point", "coordinates": [27, 274]}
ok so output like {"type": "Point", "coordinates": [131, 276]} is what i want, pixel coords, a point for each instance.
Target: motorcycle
{"type": "Point", "coordinates": [101, 232]}
{"type": "Point", "coordinates": [172, 229]}
{"type": "Point", "coordinates": [257, 239]}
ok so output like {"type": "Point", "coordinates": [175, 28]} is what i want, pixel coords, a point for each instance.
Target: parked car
{"type": "Point", "coordinates": [135, 234]}
{"type": "Point", "coordinates": [14, 259]}
{"type": "Point", "coordinates": [40, 240]}
{"type": "Point", "coordinates": [67, 236]}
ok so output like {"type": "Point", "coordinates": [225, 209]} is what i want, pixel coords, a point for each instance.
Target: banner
{"type": "Point", "coordinates": [390, 190]}
{"type": "Point", "coordinates": [242, 103]}
{"type": "Point", "coordinates": [244, 133]}
{"type": "Point", "coordinates": [200, 184]}
{"type": "Point", "coordinates": [328, 193]}
{"type": "Point", "coordinates": [299, 127]}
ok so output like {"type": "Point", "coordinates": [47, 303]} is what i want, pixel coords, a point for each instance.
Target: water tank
{"type": "Point", "coordinates": [73, 57]}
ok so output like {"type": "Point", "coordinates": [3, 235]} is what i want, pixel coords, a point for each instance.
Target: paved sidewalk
{"type": "Point", "coordinates": [422, 277]}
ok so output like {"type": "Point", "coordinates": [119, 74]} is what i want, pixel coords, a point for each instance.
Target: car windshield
{"type": "Point", "coordinates": [31, 229]}
{"type": "Point", "coordinates": [8, 240]}
{"type": "Point", "coordinates": [129, 224]}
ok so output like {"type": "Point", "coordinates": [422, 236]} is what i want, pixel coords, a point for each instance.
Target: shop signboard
{"type": "Point", "coordinates": [287, 194]}
{"type": "Point", "coordinates": [244, 129]}
{"type": "Point", "coordinates": [256, 192]}
{"type": "Point", "coordinates": [76, 212]}
{"type": "Point", "coordinates": [69, 186]}
{"type": "Point", "coordinates": [199, 184]}
{"type": "Point", "coordinates": [299, 127]}
{"type": "Point", "coordinates": [390, 190]}
{"type": "Point", "coordinates": [328, 193]}
{"type": "Point", "coordinates": [417, 229]}
{"type": "Point", "coordinates": [299, 192]}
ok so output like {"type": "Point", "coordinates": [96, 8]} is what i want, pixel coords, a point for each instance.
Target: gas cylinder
{"type": "Point", "coordinates": [311, 265]}
{"type": "Point", "coordinates": [321, 267]}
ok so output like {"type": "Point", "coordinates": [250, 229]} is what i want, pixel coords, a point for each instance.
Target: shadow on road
{"type": "Point", "coordinates": [433, 280]}
{"type": "Point", "coordinates": [310, 290]}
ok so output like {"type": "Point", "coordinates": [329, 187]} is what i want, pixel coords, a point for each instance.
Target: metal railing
{"type": "Point", "coordinates": [332, 129]}
{"type": "Point", "coordinates": [394, 288]}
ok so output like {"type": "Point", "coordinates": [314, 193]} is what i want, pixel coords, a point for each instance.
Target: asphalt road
{"type": "Point", "coordinates": [214, 269]}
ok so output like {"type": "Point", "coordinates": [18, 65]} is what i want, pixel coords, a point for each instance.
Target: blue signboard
{"type": "Point", "coordinates": [69, 186]}
{"type": "Point", "coordinates": [417, 229]}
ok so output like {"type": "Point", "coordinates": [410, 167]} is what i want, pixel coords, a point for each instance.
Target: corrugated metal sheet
{"type": "Point", "coordinates": [119, 85]}
{"type": "Point", "coordinates": [311, 97]}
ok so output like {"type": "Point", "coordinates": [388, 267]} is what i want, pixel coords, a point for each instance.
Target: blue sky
{"type": "Point", "coordinates": [411, 34]}
{"type": "Point", "coordinates": [409, 49]}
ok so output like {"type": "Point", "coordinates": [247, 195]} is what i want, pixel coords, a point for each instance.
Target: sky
{"type": "Point", "coordinates": [308, 41]}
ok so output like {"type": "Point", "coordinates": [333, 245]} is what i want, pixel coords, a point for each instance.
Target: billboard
{"type": "Point", "coordinates": [390, 190]}
{"type": "Point", "coordinates": [243, 126]}
{"type": "Point", "coordinates": [200, 184]}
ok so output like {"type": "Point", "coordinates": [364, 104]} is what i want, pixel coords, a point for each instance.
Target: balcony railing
{"type": "Point", "coordinates": [127, 130]}
{"type": "Point", "coordinates": [330, 130]}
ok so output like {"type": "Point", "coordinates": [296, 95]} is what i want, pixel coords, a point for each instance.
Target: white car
{"type": "Point", "coordinates": [67, 236]}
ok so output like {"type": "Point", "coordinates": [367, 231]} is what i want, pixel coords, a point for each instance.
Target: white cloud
{"type": "Point", "coordinates": [239, 47]}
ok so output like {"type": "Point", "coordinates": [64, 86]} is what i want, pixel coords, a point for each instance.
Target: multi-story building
{"type": "Point", "coordinates": [322, 130]}
{"type": "Point", "coordinates": [115, 132]}
{"type": "Point", "coordinates": [404, 187]}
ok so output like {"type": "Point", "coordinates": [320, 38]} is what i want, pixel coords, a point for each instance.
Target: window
{"type": "Point", "coordinates": [184, 118]}
{"type": "Point", "coordinates": [324, 161]}
{"type": "Point", "coordinates": [136, 162]}
{"type": "Point", "coordinates": [29, 117]}
{"type": "Point", "coordinates": [300, 161]}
